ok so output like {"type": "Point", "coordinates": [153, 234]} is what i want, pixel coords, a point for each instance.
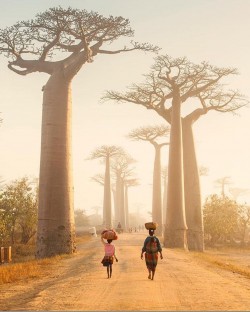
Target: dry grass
{"type": "Point", "coordinates": [82, 237]}
{"type": "Point", "coordinates": [226, 264]}
{"type": "Point", "coordinates": [25, 266]}
{"type": "Point", "coordinates": [30, 269]}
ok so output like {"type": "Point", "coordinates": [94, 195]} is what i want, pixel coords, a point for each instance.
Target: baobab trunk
{"type": "Point", "coordinates": [56, 230]}
{"type": "Point", "coordinates": [115, 208]}
{"type": "Point", "coordinates": [107, 196]}
{"type": "Point", "coordinates": [157, 200]}
{"type": "Point", "coordinates": [195, 232]}
{"type": "Point", "coordinates": [121, 205]}
{"type": "Point", "coordinates": [175, 231]}
{"type": "Point", "coordinates": [164, 202]}
{"type": "Point", "coordinates": [126, 207]}
{"type": "Point", "coordinates": [118, 198]}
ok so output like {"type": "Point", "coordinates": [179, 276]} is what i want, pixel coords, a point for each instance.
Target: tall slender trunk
{"type": "Point", "coordinates": [126, 207]}
{"type": "Point", "coordinates": [121, 204]}
{"type": "Point", "coordinates": [107, 196]}
{"type": "Point", "coordinates": [156, 200]}
{"type": "Point", "coordinates": [56, 230]}
{"type": "Point", "coordinates": [194, 218]}
{"type": "Point", "coordinates": [117, 197]}
{"type": "Point", "coordinates": [104, 218]}
{"type": "Point", "coordinates": [175, 231]}
{"type": "Point", "coordinates": [115, 207]}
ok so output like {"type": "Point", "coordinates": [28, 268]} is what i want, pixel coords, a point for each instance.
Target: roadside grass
{"type": "Point", "coordinates": [25, 266]}
{"type": "Point", "coordinates": [30, 269]}
{"type": "Point", "coordinates": [223, 263]}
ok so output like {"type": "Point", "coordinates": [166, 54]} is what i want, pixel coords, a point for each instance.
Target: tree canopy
{"type": "Point", "coordinates": [150, 133]}
{"type": "Point", "coordinates": [200, 81]}
{"type": "Point", "coordinates": [220, 217]}
{"type": "Point", "coordinates": [18, 209]}
{"type": "Point", "coordinates": [39, 44]}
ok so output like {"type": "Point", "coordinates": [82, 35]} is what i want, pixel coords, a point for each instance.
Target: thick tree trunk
{"type": "Point", "coordinates": [107, 196]}
{"type": "Point", "coordinates": [164, 202]}
{"type": "Point", "coordinates": [56, 230]}
{"type": "Point", "coordinates": [175, 231]}
{"type": "Point", "coordinates": [194, 218]}
{"type": "Point", "coordinates": [157, 200]}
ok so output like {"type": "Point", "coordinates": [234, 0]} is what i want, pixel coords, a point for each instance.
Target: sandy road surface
{"type": "Point", "coordinates": [80, 283]}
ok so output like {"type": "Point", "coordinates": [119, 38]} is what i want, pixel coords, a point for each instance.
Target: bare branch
{"type": "Point", "coordinates": [150, 134]}
{"type": "Point", "coordinates": [78, 33]}
{"type": "Point", "coordinates": [120, 165]}
{"type": "Point", "coordinates": [106, 151]}
{"type": "Point", "coordinates": [171, 76]}
{"type": "Point", "coordinates": [99, 178]}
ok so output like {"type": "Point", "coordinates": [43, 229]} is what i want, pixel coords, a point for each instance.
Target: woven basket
{"type": "Point", "coordinates": [109, 234]}
{"type": "Point", "coordinates": [151, 225]}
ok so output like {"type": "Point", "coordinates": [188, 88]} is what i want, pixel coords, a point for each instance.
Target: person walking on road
{"type": "Point", "coordinates": [109, 256]}
{"type": "Point", "coordinates": [151, 247]}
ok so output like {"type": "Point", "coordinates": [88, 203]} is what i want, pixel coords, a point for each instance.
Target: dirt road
{"type": "Point", "coordinates": [80, 283]}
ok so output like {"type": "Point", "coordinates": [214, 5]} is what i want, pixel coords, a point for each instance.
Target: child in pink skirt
{"type": "Point", "coordinates": [109, 256]}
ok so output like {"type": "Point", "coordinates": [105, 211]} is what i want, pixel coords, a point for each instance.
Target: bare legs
{"type": "Point", "coordinates": [109, 270]}
{"type": "Point", "coordinates": [149, 274]}
{"type": "Point", "coordinates": [153, 274]}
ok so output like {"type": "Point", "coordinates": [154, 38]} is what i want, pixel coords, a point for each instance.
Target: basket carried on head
{"type": "Point", "coordinates": [109, 234]}
{"type": "Point", "coordinates": [151, 225]}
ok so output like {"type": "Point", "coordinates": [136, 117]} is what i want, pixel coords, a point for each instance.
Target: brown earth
{"type": "Point", "coordinates": [80, 283]}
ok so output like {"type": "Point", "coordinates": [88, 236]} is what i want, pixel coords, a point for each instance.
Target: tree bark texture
{"type": "Point", "coordinates": [107, 196]}
{"type": "Point", "coordinates": [164, 202]}
{"type": "Point", "coordinates": [175, 231]}
{"type": "Point", "coordinates": [157, 200]}
{"type": "Point", "coordinates": [194, 218]}
{"type": "Point", "coordinates": [56, 229]}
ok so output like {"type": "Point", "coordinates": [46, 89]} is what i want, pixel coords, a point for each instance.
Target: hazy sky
{"type": "Point", "coordinates": [216, 31]}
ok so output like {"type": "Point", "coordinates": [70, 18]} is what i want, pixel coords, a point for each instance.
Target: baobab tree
{"type": "Point", "coordinates": [127, 184]}
{"type": "Point", "coordinates": [170, 83]}
{"type": "Point", "coordinates": [164, 175]}
{"type": "Point", "coordinates": [99, 178]}
{"type": "Point", "coordinates": [120, 166]}
{"type": "Point", "coordinates": [107, 152]}
{"type": "Point", "coordinates": [39, 45]}
{"type": "Point", "coordinates": [221, 183]}
{"type": "Point", "coordinates": [153, 134]}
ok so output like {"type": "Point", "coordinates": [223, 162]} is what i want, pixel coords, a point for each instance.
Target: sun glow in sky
{"type": "Point", "coordinates": [216, 31]}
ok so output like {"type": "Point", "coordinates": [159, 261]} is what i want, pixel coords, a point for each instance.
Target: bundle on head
{"type": "Point", "coordinates": [151, 225]}
{"type": "Point", "coordinates": [109, 235]}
